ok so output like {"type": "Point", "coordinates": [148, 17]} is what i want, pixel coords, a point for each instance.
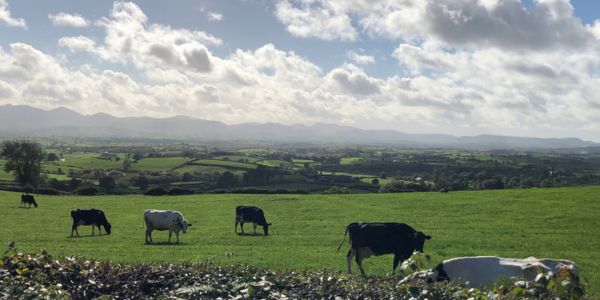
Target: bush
{"type": "Point", "coordinates": [86, 191]}
{"type": "Point", "coordinates": [48, 191]}
{"type": "Point", "coordinates": [157, 191]}
{"type": "Point", "coordinates": [337, 190]}
{"type": "Point", "coordinates": [180, 191]}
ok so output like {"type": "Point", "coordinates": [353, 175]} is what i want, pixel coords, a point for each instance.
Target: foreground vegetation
{"type": "Point", "coordinates": [556, 223]}
{"type": "Point", "coordinates": [33, 276]}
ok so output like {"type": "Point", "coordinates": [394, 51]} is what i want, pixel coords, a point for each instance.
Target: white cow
{"type": "Point", "coordinates": [481, 271]}
{"type": "Point", "coordinates": [170, 220]}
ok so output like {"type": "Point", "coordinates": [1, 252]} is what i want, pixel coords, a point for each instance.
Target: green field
{"type": "Point", "coordinates": [88, 161]}
{"type": "Point", "coordinates": [224, 163]}
{"type": "Point", "coordinates": [306, 230]}
{"type": "Point", "coordinates": [159, 163]}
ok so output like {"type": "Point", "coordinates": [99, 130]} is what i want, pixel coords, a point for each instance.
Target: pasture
{"type": "Point", "coordinates": [307, 229]}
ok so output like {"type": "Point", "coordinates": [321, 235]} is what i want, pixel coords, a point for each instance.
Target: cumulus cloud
{"type": "Point", "coordinates": [306, 18]}
{"type": "Point", "coordinates": [353, 80]}
{"type": "Point", "coordinates": [65, 19]}
{"type": "Point", "coordinates": [507, 24]}
{"type": "Point", "coordinates": [7, 19]}
{"type": "Point", "coordinates": [361, 59]}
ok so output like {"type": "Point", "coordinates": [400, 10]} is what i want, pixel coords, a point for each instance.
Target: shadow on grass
{"type": "Point", "coordinates": [249, 234]}
{"type": "Point", "coordinates": [28, 207]}
{"type": "Point", "coordinates": [85, 236]}
{"type": "Point", "coordinates": [164, 244]}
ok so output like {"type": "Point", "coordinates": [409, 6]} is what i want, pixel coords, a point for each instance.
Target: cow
{"type": "Point", "coordinates": [251, 214]}
{"type": "Point", "coordinates": [28, 199]}
{"type": "Point", "coordinates": [93, 217]}
{"type": "Point", "coordinates": [482, 271]}
{"type": "Point", "coordinates": [367, 239]}
{"type": "Point", "coordinates": [170, 220]}
{"type": "Point", "coordinates": [444, 190]}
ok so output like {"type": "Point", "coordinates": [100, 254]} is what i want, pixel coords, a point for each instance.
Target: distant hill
{"type": "Point", "coordinates": [26, 121]}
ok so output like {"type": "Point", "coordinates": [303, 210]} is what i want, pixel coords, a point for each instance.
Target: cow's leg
{"type": "Point", "coordinates": [170, 233]}
{"type": "Point", "coordinates": [99, 230]}
{"type": "Point", "coordinates": [148, 235]}
{"type": "Point", "coordinates": [358, 259]}
{"type": "Point", "coordinates": [177, 236]}
{"type": "Point", "coordinates": [254, 225]}
{"type": "Point", "coordinates": [242, 226]}
{"type": "Point", "coordinates": [349, 257]}
{"type": "Point", "coordinates": [93, 228]}
{"type": "Point", "coordinates": [73, 228]}
{"type": "Point", "coordinates": [397, 258]}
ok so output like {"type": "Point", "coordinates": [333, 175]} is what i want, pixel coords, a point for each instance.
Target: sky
{"type": "Point", "coordinates": [461, 67]}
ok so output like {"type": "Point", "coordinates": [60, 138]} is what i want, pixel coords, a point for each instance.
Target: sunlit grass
{"type": "Point", "coordinates": [306, 230]}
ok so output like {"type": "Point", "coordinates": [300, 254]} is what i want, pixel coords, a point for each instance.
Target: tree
{"type": "Point", "coordinates": [141, 181]}
{"type": "Point", "coordinates": [24, 159]}
{"type": "Point", "coordinates": [226, 180]}
{"type": "Point", "coordinates": [107, 183]}
{"type": "Point", "coordinates": [52, 157]}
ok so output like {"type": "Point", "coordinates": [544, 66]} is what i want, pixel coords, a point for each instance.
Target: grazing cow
{"type": "Point", "coordinates": [170, 220]}
{"type": "Point", "coordinates": [481, 271]}
{"type": "Point", "coordinates": [28, 199]}
{"type": "Point", "coordinates": [368, 239]}
{"type": "Point", "coordinates": [444, 190]}
{"type": "Point", "coordinates": [93, 217]}
{"type": "Point", "coordinates": [251, 214]}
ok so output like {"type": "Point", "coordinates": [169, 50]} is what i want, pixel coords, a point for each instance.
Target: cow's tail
{"type": "Point", "coordinates": [342, 243]}
{"type": "Point", "coordinates": [34, 203]}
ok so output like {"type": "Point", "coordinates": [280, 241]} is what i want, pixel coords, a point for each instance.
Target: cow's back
{"type": "Point", "coordinates": [381, 238]}
{"type": "Point", "coordinates": [162, 219]}
{"type": "Point", "coordinates": [250, 214]}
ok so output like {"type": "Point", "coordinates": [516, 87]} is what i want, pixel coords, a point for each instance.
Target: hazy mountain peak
{"type": "Point", "coordinates": [16, 121]}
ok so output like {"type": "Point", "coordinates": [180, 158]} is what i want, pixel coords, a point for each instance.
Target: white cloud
{"type": "Point", "coordinates": [215, 16]}
{"type": "Point", "coordinates": [354, 81]}
{"type": "Point", "coordinates": [361, 59]}
{"type": "Point", "coordinates": [65, 19]}
{"type": "Point", "coordinates": [316, 19]}
{"type": "Point", "coordinates": [6, 18]}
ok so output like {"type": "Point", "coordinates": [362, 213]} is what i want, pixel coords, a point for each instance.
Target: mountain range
{"type": "Point", "coordinates": [27, 121]}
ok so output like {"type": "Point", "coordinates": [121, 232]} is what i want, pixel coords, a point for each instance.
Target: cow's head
{"type": "Point", "coordinates": [419, 240]}
{"type": "Point", "coordinates": [107, 227]}
{"type": "Point", "coordinates": [184, 225]}
{"type": "Point", "coordinates": [266, 228]}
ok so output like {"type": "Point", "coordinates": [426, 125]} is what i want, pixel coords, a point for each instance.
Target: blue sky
{"type": "Point", "coordinates": [461, 67]}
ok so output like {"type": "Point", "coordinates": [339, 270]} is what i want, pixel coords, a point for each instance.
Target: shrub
{"type": "Point", "coordinates": [86, 191]}
{"type": "Point", "coordinates": [337, 190]}
{"type": "Point", "coordinates": [48, 191]}
{"type": "Point", "coordinates": [157, 191]}
{"type": "Point", "coordinates": [180, 191]}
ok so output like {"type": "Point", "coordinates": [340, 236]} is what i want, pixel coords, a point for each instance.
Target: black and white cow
{"type": "Point", "coordinates": [170, 220]}
{"type": "Point", "coordinates": [251, 214]}
{"type": "Point", "coordinates": [481, 271]}
{"type": "Point", "coordinates": [367, 239]}
{"type": "Point", "coordinates": [28, 199]}
{"type": "Point", "coordinates": [93, 217]}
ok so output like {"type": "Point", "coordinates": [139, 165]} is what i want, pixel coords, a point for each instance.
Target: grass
{"type": "Point", "coordinates": [224, 163]}
{"type": "Point", "coordinates": [350, 160]}
{"type": "Point", "coordinates": [159, 163]}
{"type": "Point", "coordinates": [306, 230]}
{"type": "Point", "coordinates": [3, 174]}
{"type": "Point", "coordinates": [88, 161]}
